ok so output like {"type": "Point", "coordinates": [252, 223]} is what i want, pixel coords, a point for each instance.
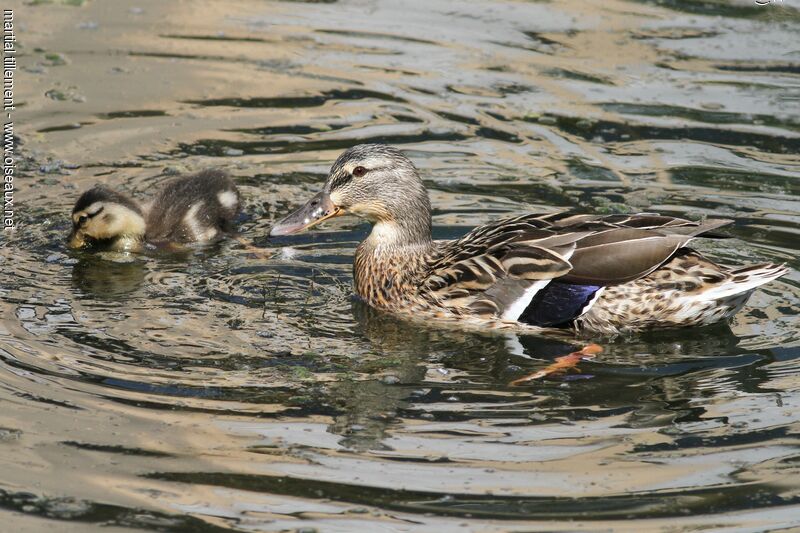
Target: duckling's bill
{"type": "Point", "coordinates": [319, 208]}
{"type": "Point", "coordinates": [76, 240]}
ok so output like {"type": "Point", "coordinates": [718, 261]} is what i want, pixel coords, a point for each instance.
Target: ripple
{"type": "Point", "coordinates": [297, 101]}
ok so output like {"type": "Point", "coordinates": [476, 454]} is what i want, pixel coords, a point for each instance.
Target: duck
{"type": "Point", "coordinates": [187, 209]}
{"type": "Point", "coordinates": [592, 273]}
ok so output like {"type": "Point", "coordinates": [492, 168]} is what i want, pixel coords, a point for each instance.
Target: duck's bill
{"type": "Point", "coordinates": [319, 208]}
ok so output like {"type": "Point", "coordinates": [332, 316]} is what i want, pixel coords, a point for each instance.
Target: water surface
{"type": "Point", "coordinates": [217, 390]}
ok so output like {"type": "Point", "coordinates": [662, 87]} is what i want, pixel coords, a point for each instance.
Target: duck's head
{"type": "Point", "coordinates": [102, 216]}
{"type": "Point", "coordinates": [372, 181]}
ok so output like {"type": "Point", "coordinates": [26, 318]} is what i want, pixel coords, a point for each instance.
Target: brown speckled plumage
{"type": "Point", "coordinates": [637, 268]}
{"type": "Point", "coordinates": [672, 296]}
{"type": "Point", "coordinates": [379, 281]}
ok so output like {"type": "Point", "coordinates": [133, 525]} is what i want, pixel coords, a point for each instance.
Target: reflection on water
{"type": "Point", "coordinates": [99, 278]}
{"type": "Point", "coordinates": [216, 390]}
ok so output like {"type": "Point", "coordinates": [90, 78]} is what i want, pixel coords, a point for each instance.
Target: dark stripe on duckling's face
{"type": "Point", "coordinates": [84, 217]}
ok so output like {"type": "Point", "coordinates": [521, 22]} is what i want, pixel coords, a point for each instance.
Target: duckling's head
{"type": "Point", "coordinates": [102, 216]}
{"type": "Point", "coordinates": [372, 181]}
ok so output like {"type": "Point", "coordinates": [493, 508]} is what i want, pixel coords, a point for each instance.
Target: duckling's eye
{"type": "Point", "coordinates": [359, 171]}
{"type": "Point", "coordinates": [82, 220]}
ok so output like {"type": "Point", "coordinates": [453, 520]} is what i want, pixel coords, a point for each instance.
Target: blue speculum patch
{"type": "Point", "coordinates": [558, 304]}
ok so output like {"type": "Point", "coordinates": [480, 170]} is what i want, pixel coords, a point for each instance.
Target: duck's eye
{"type": "Point", "coordinates": [82, 220]}
{"type": "Point", "coordinates": [359, 171]}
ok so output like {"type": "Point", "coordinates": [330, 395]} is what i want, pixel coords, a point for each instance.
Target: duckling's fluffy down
{"type": "Point", "coordinates": [193, 208]}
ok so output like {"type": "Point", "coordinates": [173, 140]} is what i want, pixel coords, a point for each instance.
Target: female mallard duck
{"type": "Point", "coordinates": [188, 209]}
{"type": "Point", "coordinates": [588, 272]}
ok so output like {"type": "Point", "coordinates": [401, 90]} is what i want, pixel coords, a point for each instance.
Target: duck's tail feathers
{"type": "Point", "coordinates": [745, 280]}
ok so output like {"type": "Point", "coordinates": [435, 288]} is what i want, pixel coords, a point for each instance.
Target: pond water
{"type": "Point", "coordinates": [220, 390]}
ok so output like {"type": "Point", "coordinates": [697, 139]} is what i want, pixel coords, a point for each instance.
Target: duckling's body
{"type": "Point", "coordinates": [191, 209]}
{"type": "Point", "coordinates": [586, 272]}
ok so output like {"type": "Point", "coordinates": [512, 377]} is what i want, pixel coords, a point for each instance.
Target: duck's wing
{"type": "Point", "coordinates": [496, 270]}
{"type": "Point", "coordinates": [627, 247]}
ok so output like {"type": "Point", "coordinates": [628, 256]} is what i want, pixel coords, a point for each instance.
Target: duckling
{"type": "Point", "coordinates": [196, 208]}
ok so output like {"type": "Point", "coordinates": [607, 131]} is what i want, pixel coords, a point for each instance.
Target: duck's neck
{"type": "Point", "coordinates": [400, 234]}
{"type": "Point", "coordinates": [389, 263]}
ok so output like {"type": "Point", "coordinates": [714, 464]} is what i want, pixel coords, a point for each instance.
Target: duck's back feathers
{"type": "Point", "coordinates": [492, 268]}
{"type": "Point", "coordinates": [194, 208]}
{"type": "Point", "coordinates": [507, 268]}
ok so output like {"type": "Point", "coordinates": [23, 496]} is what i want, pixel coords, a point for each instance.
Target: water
{"type": "Point", "coordinates": [217, 390]}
